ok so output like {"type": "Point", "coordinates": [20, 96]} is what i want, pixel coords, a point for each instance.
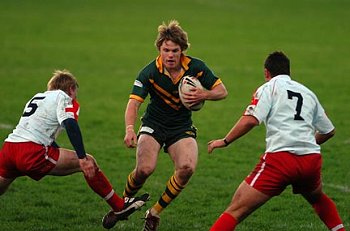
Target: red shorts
{"type": "Point", "coordinates": [27, 158]}
{"type": "Point", "coordinates": [276, 171]}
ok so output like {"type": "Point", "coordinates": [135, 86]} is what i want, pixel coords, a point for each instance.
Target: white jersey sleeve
{"type": "Point", "coordinates": [292, 114]}
{"type": "Point", "coordinates": [321, 121]}
{"type": "Point", "coordinates": [42, 118]}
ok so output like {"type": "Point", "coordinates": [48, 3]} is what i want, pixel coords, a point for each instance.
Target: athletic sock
{"type": "Point", "coordinates": [100, 185]}
{"type": "Point", "coordinates": [172, 190]}
{"type": "Point", "coordinates": [131, 186]}
{"type": "Point", "coordinates": [226, 222]}
{"type": "Point", "coordinates": [327, 211]}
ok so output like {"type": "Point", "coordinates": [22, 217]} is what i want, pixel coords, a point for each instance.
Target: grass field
{"type": "Point", "coordinates": [105, 43]}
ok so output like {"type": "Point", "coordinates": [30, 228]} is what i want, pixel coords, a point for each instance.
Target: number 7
{"type": "Point", "coordinates": [292, 94]}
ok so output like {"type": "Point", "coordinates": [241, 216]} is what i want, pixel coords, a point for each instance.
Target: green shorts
{"type": "Point", "coordinates": [167, 136]}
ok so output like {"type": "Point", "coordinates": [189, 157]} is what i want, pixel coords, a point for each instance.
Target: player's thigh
{"type": "Point", "coordinates": [313, 196]}
{"type": "Point", "coordinates": [184, 153]}
{"type": "Point", "coordinates": [147, 153]}
{"type": "Point", "coordinates": [245, 201]}
{"type": "Point", "coordinates": [67, 163]}
{"type": "Point", "coordinates": [5, 183]}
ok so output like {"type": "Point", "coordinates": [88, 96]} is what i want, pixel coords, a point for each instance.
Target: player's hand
{"type": "Point", "coordinates": [130, 139]}
{"type": "Point", "coordinates": [215, 144]}
{"type": "Point", "coordinates": [195, 96]}
{"type": "Point", "coordinates": [87, 165]}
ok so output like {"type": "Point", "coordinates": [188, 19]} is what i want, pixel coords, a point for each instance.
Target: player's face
{"type": "Point", "coordinates": [170, 53]}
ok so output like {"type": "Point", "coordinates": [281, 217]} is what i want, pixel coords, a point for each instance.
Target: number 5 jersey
{"type": "Point", "coordinates": [42, 117]}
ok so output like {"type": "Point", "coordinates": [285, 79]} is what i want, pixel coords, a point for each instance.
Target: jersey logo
{"type": "Point", "coordinates": [147, 129]}
{"type": "Point", "coordinates": [191, 133]}
{"type": "Point", "coordinates": [250, 110]}
{"type": "Point", "coordinates": [138, 83]}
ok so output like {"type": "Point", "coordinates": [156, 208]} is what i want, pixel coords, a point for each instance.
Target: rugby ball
{"type": "Point", "coordinates": [187, 84]}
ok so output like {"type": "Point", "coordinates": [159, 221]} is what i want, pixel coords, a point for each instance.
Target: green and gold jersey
{"type": "Point", "coordinates": [165, 107]}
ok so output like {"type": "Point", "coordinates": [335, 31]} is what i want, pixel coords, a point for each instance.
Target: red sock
{"type": "Point", "coordinates": [100, 185]}
{"type": "Point", "coordinates": [326, 210]}
{"type": "Point", "coordinates": [225, 222]}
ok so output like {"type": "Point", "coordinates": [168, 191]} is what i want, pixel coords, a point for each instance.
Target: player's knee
{"type": "Point", "coordinates": [185, 172]}
{"type": "Point", "coordinates": [143, 173]}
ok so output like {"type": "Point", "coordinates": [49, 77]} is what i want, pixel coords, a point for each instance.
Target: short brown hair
{"type": "Point", "coordinates": [277, 63]}
{"type": "Point", "coordinates": [62, 80]}
{"type": "Point", "coordinates": [172, 32]}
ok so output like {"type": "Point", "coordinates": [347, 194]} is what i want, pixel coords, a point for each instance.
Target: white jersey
{"type": "Point", "coordinates": [292, 114]}
{"type": "Point", "coordinates": [42, 118]}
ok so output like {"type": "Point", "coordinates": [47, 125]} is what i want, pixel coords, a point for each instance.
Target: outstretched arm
{"type": "Point", "coordinates": [243, 126]}
{"type": "Point", "coordinates": [75, 137]}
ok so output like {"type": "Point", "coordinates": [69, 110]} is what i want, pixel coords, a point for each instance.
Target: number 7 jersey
{"type": "Point", "coordinates": [42, 118]}
{"type": "Point", "coordinates": [292, 114]}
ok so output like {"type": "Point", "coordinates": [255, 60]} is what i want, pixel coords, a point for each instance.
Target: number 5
{"type": "Point", "coordinates": [33, 106]}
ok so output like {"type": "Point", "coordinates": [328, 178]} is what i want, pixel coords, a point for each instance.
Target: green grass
{"type": "Point", "coordinates": [105, 43]}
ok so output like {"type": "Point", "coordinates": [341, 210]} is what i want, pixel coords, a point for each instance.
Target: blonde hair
{"type": "Point", "coordinates": [62, 80]}
{"type": "Point", "coordinates": [173, 32]}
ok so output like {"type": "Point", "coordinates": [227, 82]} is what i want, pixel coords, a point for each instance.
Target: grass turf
{"type": "Point", "coordinates": [105, 43]}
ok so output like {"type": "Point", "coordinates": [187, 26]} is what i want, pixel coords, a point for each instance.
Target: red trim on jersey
{"type": "Point", "coordinates": [254, 101]}
{"type": "Point", "coordinates": [75, 109]}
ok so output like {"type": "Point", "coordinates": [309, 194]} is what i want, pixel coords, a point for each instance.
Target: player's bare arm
{"type": "Point", "coordinates": [243, 126]}
{"type": "Point", "coordinates": [321, 138]}
{"type": "Point", "coordinates": [130, 139]}
{"type": "Point", "coordinates": [197, 95]}
{"type": "Point", "coordinates": [217, 93]}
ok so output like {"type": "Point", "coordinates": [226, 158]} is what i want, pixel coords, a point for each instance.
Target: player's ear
{"type": "Point", "coordinates": [267, 74]}
{"type": "Point", "coordinates": [72, 92]}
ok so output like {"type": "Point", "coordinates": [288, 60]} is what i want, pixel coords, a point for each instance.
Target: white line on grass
{"type": "Point", "coordinates": [6, 126]}
{"type": "Point", "coordinates": [342, 188]}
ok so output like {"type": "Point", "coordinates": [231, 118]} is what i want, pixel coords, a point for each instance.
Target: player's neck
{"type": "Point", "coordinates": [174, 73]}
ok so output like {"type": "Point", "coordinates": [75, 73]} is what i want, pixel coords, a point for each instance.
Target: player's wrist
{"type": "Point", "coordinates": [226, 142]}
{"type": "Point", "coordinates": [83, 157]}
{"type": "Point", "coordinates": [129, 127]}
